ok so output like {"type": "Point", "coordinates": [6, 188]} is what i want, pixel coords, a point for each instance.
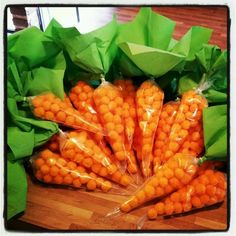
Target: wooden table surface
{"type": "Point", "coordinates": [71, 209]}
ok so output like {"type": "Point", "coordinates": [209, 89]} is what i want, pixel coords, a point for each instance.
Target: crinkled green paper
{"type": "Point", "coordinates": [215, 133]}
{"type": "Point", "coordinates": [16, 189]}
{"type": "Point", "coordinates": [147, 48]}
{"type": "Point", "coordinates": [94, 52]}
{"type": "Point", "coordinates": [35, 65]}
{"type": "Point", "coordinates": [211, 62]}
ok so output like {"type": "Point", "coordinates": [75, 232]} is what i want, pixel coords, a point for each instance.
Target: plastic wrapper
{"type": "Point", "coordinates": [49, 107]}
{"type": "Point", "coordinates": [166, 120]}
{"type": "Point", "coordinates": [149, 101]}
{"type": "Point", "coordinates": [207, 189]}
{"type": "Point", "coordinates": [109, 106]}
{"type": "Point", "coordinates": [188, 116]}
{"type": "Point", "coordinates": [79, 147]}
{"type": "Point", "coordinates": [51, 168]}
{"type": "Point", "coordinates": [174, 174]}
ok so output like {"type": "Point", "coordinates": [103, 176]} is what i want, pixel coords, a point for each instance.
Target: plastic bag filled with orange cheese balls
{"type": "Point", "coordinates": [109, 106]}
{"type": "Point", "coordinates": [77, 143]}
{"type": "Point", "coordinates": [173, 175]}
{"type": "Point", "coordinates": [128, 91]}
{"type": "Point", "coordinates": [51, 168]}
{"type": "Point", "coordinates": [80, 147]}
{"type": "Point", "coordinates": [81, 96]}
{"type": "Point", "coordinates": [166, 120]}
{"type": "Point", "coordinates": [187, 124]}
{"type": "Point", "coordinates": [207, 189]}
{"type": "Point", "coordinates": [49, 107]}
{"type": "Point", "coordinates": [130, 117]}
{"type": "Point", "coordinates": [149, 101]}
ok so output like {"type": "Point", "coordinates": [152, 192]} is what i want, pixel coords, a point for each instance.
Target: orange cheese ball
{"type": "Point", "coordinates": [48, 106]}
{"type": "Point", "coordinates": [166, 120]}
{"type": "Point", "coordinates": [188, 118]}
{"type": "Point", "coordinates": [149, 100]}
{"type": "Point", "coordinates": [197, 194]}
{"type": "Point", "coordinates": [164, 182]}
{"type": "Point", "coordinates": [111, 117]}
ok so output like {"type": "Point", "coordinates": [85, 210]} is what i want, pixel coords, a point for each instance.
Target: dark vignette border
{"type": "Point", "coordinates": [6, 115]}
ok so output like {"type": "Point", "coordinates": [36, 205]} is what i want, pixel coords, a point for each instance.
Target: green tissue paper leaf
{"type": "Point", "coordinates": [35, 132]}
{"type": "Point", "coordinates": [192, 42]}
{"type": "Point", "coordinates": [16, 189]}
{"type": "Point", "coordinates": [212, 63]}
{"type": "Point", "coordinates": [215, 132]}
{"type": "Point", "coordinates": [150, 49]}
{"type": "Point", "coordinates": [148, 28]}
{"type": "Point", "coordinates": [151, 61]}
{"type": "Point", "coordinates": [31, 47]}
{"type": "Point", "coordinates": [94, 51]}
{"type": "Point", "coordinates": [48, 78]}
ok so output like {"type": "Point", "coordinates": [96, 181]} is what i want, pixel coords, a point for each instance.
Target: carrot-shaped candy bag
{"type": "Point", "coordinates": [81, 96]}
{"type": "Point", "coordinates": [79, 147]}
{"type": "Point", "coordinates": [109, 106]}
{"type": "Point", "coordinates": [51, 168]}
{"type": "Point", "coordinates": [49, 107]}
{"type": "Point", "coordinates": [81, 142]}
{"type": "Point", "coordinates": [188, 118]}
{"type": "Point", "coordinates": [174, 174]}
{"type": "Point", "coordinates": [166, 120]}
{"type": "Point", "coordinates": [130, 121]}
{"type": "Point", "coordinates": [207, 189]}
{"type": "Point", "coordinates": [149, 101]}
{"type": "Point", "coordinates": [130, 116]}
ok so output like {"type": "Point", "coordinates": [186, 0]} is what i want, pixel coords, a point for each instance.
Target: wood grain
{"type": "Point", "coordinates": [71, 209]}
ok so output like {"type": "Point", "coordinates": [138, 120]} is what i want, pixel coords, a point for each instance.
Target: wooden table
{"type": "Point", "coordinates": [69, 209]}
